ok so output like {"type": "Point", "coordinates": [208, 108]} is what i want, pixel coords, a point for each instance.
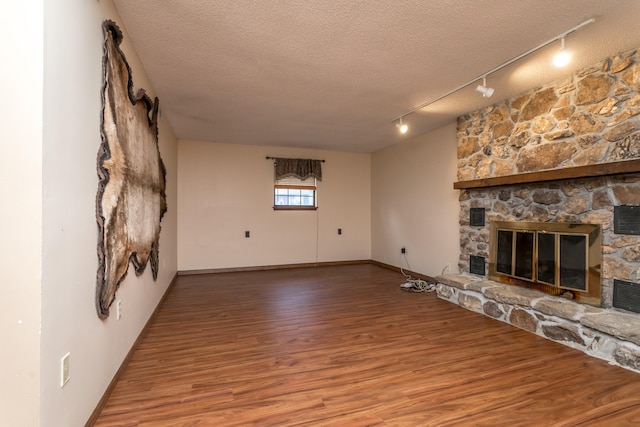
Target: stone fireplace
{"type": "Point", "coordinates": [563, 157]}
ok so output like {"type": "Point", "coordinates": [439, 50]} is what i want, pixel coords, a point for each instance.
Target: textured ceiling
{"type": "Point", "coordinates": [333, 74]}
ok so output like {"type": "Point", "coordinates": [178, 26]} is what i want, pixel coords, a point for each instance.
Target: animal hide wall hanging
{"type": "Point", "coordinates": [131, 198]}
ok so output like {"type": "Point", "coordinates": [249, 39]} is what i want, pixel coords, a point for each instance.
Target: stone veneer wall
{"type": "Point", "coordinates": [589, 118]}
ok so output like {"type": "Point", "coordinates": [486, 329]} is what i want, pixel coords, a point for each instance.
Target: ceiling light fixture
{"type": "Point", "coordinates": [499, 67]}
{"type": "Point", "coordinates": [562, 58]}
{"type": "Point", "coordinates": [484, 89]}
{"type": "Point", "coordinates": [402, 126]}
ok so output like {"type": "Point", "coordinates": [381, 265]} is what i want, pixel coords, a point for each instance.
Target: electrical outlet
{"type": "Point", "coordinates": [247, 234]}
{"type": "Point", "coordinates": [339, 230]}
{"type": "Point", "coordinates": [403, 250]}
{"type": "Point", "coordinates": [118, 309]}
{"type": "Point", "coordinates": [65, 366]}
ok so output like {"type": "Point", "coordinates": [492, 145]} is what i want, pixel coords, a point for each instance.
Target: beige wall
{"type": "Point", "coordinates": [21, 43]}
{"type": "Point", "coordinates": [414, 204]}
{"type": "Point", "coordinates": [51, 103]}
{"type": "Point", "coordinates": [51, 117]}
{"type": "Point", "coordinates": [227, 189]}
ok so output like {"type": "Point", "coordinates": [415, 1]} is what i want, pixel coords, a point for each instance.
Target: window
{"type": "Point", "coordinates": [294, 193]}
{"type": "Point", "coordinates": [295, 183]}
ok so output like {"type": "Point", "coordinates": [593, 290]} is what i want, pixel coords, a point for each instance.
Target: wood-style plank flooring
{"type": "Point", "coordinates": [345, 346]}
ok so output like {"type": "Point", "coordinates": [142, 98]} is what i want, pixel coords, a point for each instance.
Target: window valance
{"type": "Point", "coordinates": [298, 168]}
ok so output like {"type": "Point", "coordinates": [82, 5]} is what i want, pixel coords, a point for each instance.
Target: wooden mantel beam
{"type": "Point", "coordinates": [602, 169]}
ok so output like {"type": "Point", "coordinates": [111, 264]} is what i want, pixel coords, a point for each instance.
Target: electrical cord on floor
{"type": "Point", "coordinates": [415, 285]}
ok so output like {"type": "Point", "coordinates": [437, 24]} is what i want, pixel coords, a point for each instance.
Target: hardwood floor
{"type": "Point", "coordinates": [345, 346]}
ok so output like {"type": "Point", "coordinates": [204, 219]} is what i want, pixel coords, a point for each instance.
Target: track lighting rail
{"type": "Point", "coordinates": [493, 70]}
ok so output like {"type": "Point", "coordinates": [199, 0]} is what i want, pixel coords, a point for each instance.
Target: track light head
{"type": "Point", "coordinates": [401, 126]}
{"type": "Point", "coordinates": [486, 91]}
{"type": "Point", "coordinates": [562, 58]}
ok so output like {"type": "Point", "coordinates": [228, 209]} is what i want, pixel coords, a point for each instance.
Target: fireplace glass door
{"type": "Point", "coordinates": [573, 261]}
{"type": "Point", "coordinates": [516, 253]}
{"type": "Point", "coordinates": [525, 241]}
{"type": "Point", "coordinates": [547, 258]}
{"type": "Point", "coordinates": [504, 261]}
{"type": "Point", "coordinates": [553, 258]}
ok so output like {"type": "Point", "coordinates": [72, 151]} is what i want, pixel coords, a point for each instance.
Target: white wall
{"type": "Point", "coordinates": [71, 113]}
{"type": "Point", "coordinates": [21, 43]}
{"type": "Point", "coordinates": [414, 204]}
{"type": "Point", "coordinates": [227, 189]}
